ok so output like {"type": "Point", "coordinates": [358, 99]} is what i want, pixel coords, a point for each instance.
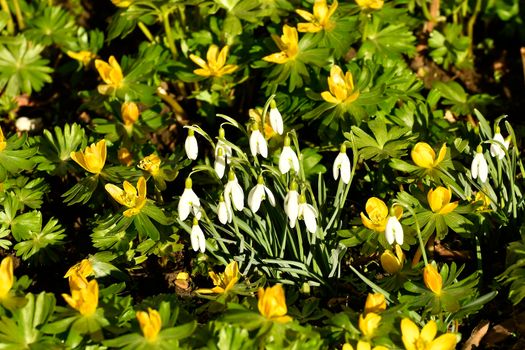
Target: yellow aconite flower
{"type": "Point", "coordinates": [93, 158]}
{"type": "Point", "coordinates": [131, 197]}
{"type": "Point", "coordinates": [83, 268]}
{"type": "Point", "coordinates": [363, 345]}
{"type": "Point", "coordinates": [83, 56]}
{"type": "Point", "coordinates": [288, 43]}
{"type": "Point", "coordinates": [432, 279]}
{"type": "Point", "coordinates": [151, 164]}
{"type": "Point", "coordinates": [424, 156]}
{"type": "Point", "coordinates": [84, 299]}
{"type": "Point", "coordinates": [368, 324]}
{"type": "Point", "coordinates": [341, 87]}
{"type": "Point", "coordinates": [150, 323]}
{"type": "Point", "coordinates": [370, 4]}
{"type": "Point", "coordinates": [110, 73]}
{"type": "Point", "coordinates": [3, 143]}
{"type": "Point", "coordinates": [413, 340]}
{"type": "Point", "coordinates": [393, 263]}
{"type": "Point", "coordinates": [378, 214]}
{"type": "Point", "coordinates": [216, 65]}
{"type": "Point", "coordinates": [6, 277]}
{"type": "Point", "coordinates": [272, 304]}
{"type": "Point", "coordinates": [122, 3]}
{"type": "Point", "coordinates": [375, 303]}
{"type": "Point", "coordinates": [130, 113]}
{"type": "Point", "coordinates": [439, 200]}
{"type": "Point", "coordinates": [223, 281]}
{"type": "Point", "coordinates": [480, 196]}
{"type": "Point", "coordinates": [319, 20]}
{"type": "Point", "coordinates": [125, 157]}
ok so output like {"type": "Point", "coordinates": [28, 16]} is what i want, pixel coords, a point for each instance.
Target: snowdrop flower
{"type": "Point", "coordinates": [191, 146]}
{"type": "Point", "coordinates": [224, 211]}
{"type": "Point", "coordinates": [233, 192]}
{"type": "Point", "coordinates": [291, 204]}
{"type": "Point", "coordinates": [308, 214]}
{"type": "Point", "coordinates": [495, 148]}
{"type": "Point", "coordinates": [342, 164]}
{"type": "Point", "coordinates": [223, 154]}
{"type": "Point", "coordinates": [189, 202]}
{"type": "Point", "coordinates": [288, 158]}
{"type": "Point", "coordinates": [276, 119]}
{"type": "Point", "coordinates": [479, 166]}
{"type": "Point", "coordinates": [393, 229]}
{"type": "Point", "coordinates": [198, 241]}
{"type": "Point", "coordinates": [258, 143]}
{"type": "Point", "coordinates": [258, 193]}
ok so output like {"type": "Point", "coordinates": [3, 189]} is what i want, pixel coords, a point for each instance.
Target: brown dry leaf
{"type": "Point", "coordinates": [477, 334]}
{"type": "Point", "coordinates": [499, 333]}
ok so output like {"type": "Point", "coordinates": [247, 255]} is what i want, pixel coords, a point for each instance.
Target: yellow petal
{"type": "Point", "coordinates": [199, 61]}
{"type": "Point", "coordinates": [212, 55]}
{"type": "Point", "coordinates": [429, 331]}
{"type": "Point", "coordinates": [278, 57]}
{"type": "Point", "coordinates": [363, 345]}
{"type": "Point", "coordinates": [432, 279]}
{"type": "Point", "coordinates": [328, 97]}
{"type": "Point", "coordinates": [221, 58]}
{"type": "Point", "coordinates": [444, 342]}
{"type": "Point", "coordinates": [368, 324]}
{"type": "Point", "coordinates": [116, 193]}
{"type": "Point", "coordinates": [308, 28]}
{"type": "Point", "coordinates": [320, 9]}
{"type": "Point", "coordinates": [375, 303]}
{"type": "Point", "coordinates": [410, 334]}
{"type": "Point", "coordinates": [6, 276]}
{"type": "Point", "coordinates": [423, 155]}
{"type": "Point", "coordinates": [390, 262]}
{"type": "Point", "coordinates": [306, 15]}
{"type": "Point", "coordinates": [203, 72]}
{"type": "Point", "coordinates": [441, 155]}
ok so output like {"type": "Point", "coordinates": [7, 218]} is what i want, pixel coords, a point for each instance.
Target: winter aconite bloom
{"type": "Point", "coordinates": [7, 278]}
{"type": "Point", "coordinates": [258, 193]}
{"type": "Point", "coordinates": [188, 202]}
{"type": "Point", "coordinates": [84, 297]}
{"type": "Point", "coordinates": [130, 113]}
{"type": "Point", "coordinates": [272, 304]}
{"type": "Point", "coordinates": [288, 159]}
{"type": "Point", "coordinates": [151, 164]}
{"type": "Point", "coordinates": [191, 146]}
{"type": "Point", "coordinates": [84, 56]}
{"type": "Point", "coordinates": [370, 4]}
{"type": "Point", "coordinates": [3, 143]}
{"type": "Point", "coordinates": [495, 148]}
{"type": "Point", "coordinates": [320, 19]}
{"type": "Point", "coordinates": [216, 65]}
{"type": "Point", "coordinates": [439, 200]}
{"type": "Point", "coordinates": [131, 197]}
{"type": "Point", "coordinates": [393, 263]}
{"type": "Point", "coordinates": [426, 340]}
{"type": "Point", "coordinates": [124, 156]}
{"type": "Point", "coordinates": [276, 119]}
{"type": "Point", "coordinates": [223, 281]}
{"type": "Point", "coordinates": [111, 74]}
{"type": "Point", "coordinates": [432, 279]}
{"type": "Point", "coordinates": [363, 345]}
{"type": "Point", "coordinates": [479, 166]}
{"type": "Point", "coordinates": [342, 165]}
{"type": "Point", "coordinates": [377, 212]}
{"type": "Point", "coordinates": [375, 303]}
{"type": "Point", "coordinates": [198, 241]}
{"type": "Point", "coordinates": [394, 230]}
{"type": "Point", "coordinates": [83, 268]}
{"type": "Point", "coordinates": [288, 43]}
{"type": "Point", "coordinates": [341, 87]}
{"type": "Point", "coordinates": [368, 324]}
{"type": "Point", "coordinates": [93, 158]}
{"type": "Point", "coordinates": [424, 156]}
{"type": "Point", "coordinates": [150, 323]}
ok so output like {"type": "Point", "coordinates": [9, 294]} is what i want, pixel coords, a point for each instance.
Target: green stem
{"type": "Point", "coordinates": [169, 34]}
{"type": "Point", "coordinates": [146, 32]}
{"type": "Point", "coordinates": [470, 28]}
{"type": "Point", "coordinates": [10, 23]}
{"type": "Point", "coordinates": [19, 16]}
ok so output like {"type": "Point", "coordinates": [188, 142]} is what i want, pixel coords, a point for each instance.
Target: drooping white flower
{"type": "Point", "coordinates": [189, 202]}
{"type": "Point", "coordinates": [224, 211]}
{"type": "Point", "coordinates": [258, 193]}
{"type": "Point", "coordinates": [479, 166]}
{"type": "Point", "coordinates": [276, 119]}
{"type": "Point", "coordinates": [258, 143]}
{"type": "Point", "coordinates": [495, 149]}
{"type": "Point", "coordinates": [233, 192]}
{"type": "Point", "coordinates": [198, 241]}
{"type": "Point", "coordinates": [308, 214]}
{"type": "Point", "coordinates": [394, 230]}
{"type": "Point", "coordinates": [191, 146]}
{"type": "Point", "coordinates": [291, 204]}
{"type": "Point", "coordinates": [288, 159]}
{"type": "Point", "coordinates": [342, 164]}
{"type": "Point", "coordinates": [223, 154]}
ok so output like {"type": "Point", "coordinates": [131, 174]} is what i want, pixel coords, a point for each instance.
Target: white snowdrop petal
{"type": "Point", "coordinates": [237, 195]}
{"type": "Point", "coordinates": [269, 193]}
{"type": "Point", "coordinates": [345, 169]}
{"type": "Point", "coordinates": [276, 121]}
{"type": "Point", "coordinates": [192, 148]}
{"type": "Point", "coordinates": [394, 231]}
{"type": "Point", "coordinates": [310, 218]}
{"type": "Point", "coordinates": [253, 142]}
{"type": "Point", "coordinates": [222, 213]}
{"type": "Point", "coordinates": [220, 166]}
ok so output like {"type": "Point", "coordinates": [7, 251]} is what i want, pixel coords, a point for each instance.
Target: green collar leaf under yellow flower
{"type": "Point", "coordinates": [341, 87]}
{"type": "Point", "coordinates": [93, 158]}
{"type": "Point", "coordinates": [320, 19]}
{"type": "Point", "coordinates": [426, 340]}
{"type": "Point", "coordinates": [131, 197]}
{"type": "Point", "coordinates": [288, 43]}
{"type": "Point", "coordinates": [216, 65]}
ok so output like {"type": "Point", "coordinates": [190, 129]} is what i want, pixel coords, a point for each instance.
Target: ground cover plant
{"type": "Point", "coordinates": [249, 174]}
